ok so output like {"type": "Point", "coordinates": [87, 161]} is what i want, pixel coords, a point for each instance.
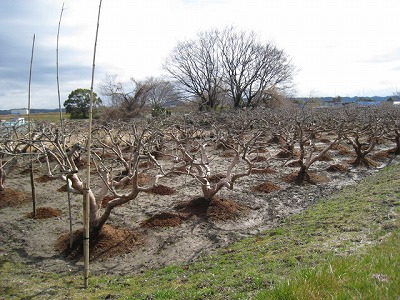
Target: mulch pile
{"type": "Point", "coordinates": [164, 219]}
{"type": "Point", "coordinates": [110, 241]}
{"type": "Point", "coordinates": [337, 168]}
{"type": "Point", "coordinates": [12, 198]}
{"type": "Point", "coordinates": [44, 178]}
{"type": "Point", "coordinates": [266, 170]}
{"type": "Point", "coordinates": [44, 213]}
{"type": "Point", "coordinates": [342, 150]}
{"type": "Point", "coordinates": [311, 178]}
{"type": "Point", "coordinates": [162, 190]}
{"type": "Point", "coordinates": [62, 189]}
{"type": "Point", "coordinates": [266, 187]}
{"type": "Point", "coordinates": [217, 208]}
{"type": "Point", "coordinates": [381, 156]}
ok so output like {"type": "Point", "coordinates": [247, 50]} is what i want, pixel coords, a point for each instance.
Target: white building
{"type": "Point", "coordinates": [19, 111]}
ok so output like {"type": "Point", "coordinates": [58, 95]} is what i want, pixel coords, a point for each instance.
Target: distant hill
{"type": "Point", "coordinates": [344, 100]}
{"type": "Point", "coordinates": [357, 99]}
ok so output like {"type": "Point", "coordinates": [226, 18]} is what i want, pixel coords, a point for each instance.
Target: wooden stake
{"type": "Point", "coordinates": [33, 190]}
{"type": "Point", "coordinates": [89, 142]}
{"type": "Point", "coordinates": [69, 214]}
{"type": "Point", "coordinates": [86, 238]}
{"type": "Point", "coordinates": [58, 81]}
{"type": "Point", "coordinates": [30, 132]}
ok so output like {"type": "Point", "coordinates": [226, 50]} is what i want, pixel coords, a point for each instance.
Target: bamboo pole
{"type": "Point", "coordinates": [58, 81]}
{"type": "Point", "coordinates": [32, 180]}
{"type": "Point", "coordinates": [62, 130]}
{"type": "Point", "coordinates": [69, 214]}
{"type": "Point", "coordinates": [87, 185]}
{"type": "Point", "coordinates": [86, 237]}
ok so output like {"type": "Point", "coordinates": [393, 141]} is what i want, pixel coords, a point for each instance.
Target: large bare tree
{"type": "Point", "coordinates": [229, 62]}
{"type": "Point", "coordinates": [126, 98]}
{"type": "Point", "coordinates": [162, 92]}
{"type": "Point", "coordinates": [195, 64]}
{"type": "Point", "coordinates": [250, 67]}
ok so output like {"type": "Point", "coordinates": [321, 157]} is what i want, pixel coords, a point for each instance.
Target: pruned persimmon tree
{"type": "Point", "coordinates": [128, 145]}
{"type": "Point", "coordinates": [364, 126]}
{"type": "Point", "coordinates": [309, 124]}
{"type": "Point", "coordinates": [13, 148]}
{"type": "Point", "coordinates": [282, 126]}
{"type": "Point", "coordinates": [196, 153]}
{"type": "Point", "coordinates": [7, 163]}
{"type": "Point", "coordinates": [391, 117]}
{"type": "Point", "coordinates": [118, 148]}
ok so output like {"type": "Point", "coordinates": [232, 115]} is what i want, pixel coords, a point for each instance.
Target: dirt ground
{"type": "Point", "coordinates": [167, 226]}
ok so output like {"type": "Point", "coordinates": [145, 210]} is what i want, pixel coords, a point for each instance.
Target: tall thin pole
{"type": "Point", "coordinates": [58, 81]}
{"type": "Point", "coordinates": [30, 132]}
{"type": "Point", "coordinates": [62, 131]}
{"type": "Point", "coordinates": [87, 185]}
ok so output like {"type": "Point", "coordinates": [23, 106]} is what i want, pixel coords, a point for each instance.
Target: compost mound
{"type": "Point", "coordinates": [12, 198]}
{"type": "Point", "coordinates": [44, 178]}
{"type": "Point", "coordinates": [263, 171]}
{"type": "Point", "coordinates": [219, 209]}
{"type": "Point", "coordinates": [337, 168]}
{"type": "Point", "coordinates": [310, 178]}
{"type": "Point", "coordinates": [164, 219]}
{"type": "Point", "coordinates": [162, 190]}
{"type": "Point", "coordinates": [44, 213]}
{"type": "Point", "coordinates": [266, 187]}
{"type": "Point", "coordinates": [110, 241]}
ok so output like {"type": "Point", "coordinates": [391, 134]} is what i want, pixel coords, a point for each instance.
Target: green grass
{"type": "Point", "coordinates": [52, 116]}
{"type": "Point", "coordinates": [343, 247]}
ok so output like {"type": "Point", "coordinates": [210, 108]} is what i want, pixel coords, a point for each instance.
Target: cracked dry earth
{"type": "Point", "coordinates": [168, 226]}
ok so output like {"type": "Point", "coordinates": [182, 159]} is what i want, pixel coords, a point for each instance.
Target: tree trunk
{"type": "Point", "coordinates": [397, 141]}
{"type": "Point", "coordinates": [2, 179]}
{"type": "Point", "coordinates": [302, 175]}
{"type": "Point", "coordinates": [208, 192]}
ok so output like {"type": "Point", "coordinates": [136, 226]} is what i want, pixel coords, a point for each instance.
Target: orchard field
{"type": "Point", "coordinates": [176, 189]}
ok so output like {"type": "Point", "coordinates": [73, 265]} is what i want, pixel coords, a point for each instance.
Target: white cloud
{"type": "Point", "coordinates": [342, 47]}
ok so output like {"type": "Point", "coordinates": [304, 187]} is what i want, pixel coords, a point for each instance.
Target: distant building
{"type": "Point", "coordinates": [19, 111]}
{"type": "Point", "coordinates": [13, 122]}
{"type": "Point", "coordinates": [396, 102]}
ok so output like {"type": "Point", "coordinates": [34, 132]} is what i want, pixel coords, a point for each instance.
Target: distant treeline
{"type": "Point", "coordinates": [352, 99]}
{"type": "Point", "coordinates": [33, 111]}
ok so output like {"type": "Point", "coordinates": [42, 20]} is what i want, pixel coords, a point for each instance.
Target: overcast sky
{"type": "Point", "coordinates": [341, 47]}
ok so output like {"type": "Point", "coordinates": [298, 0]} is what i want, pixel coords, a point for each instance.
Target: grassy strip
{"type": "Point", "coordinates": [343, 247]}
{"type": "Point", "coordinates": [371, 275]}
{"type": "Point", "coordinates": [51, 116]}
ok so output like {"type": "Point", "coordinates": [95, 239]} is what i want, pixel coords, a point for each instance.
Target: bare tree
{"type": "Point", "coordinates": [229, 62]}
{"type": "Point", "coordinates": [363, 129]}
{"type": "Point", "coordinates": [118, 148]}
{"type": "Point", "coordinates": [391, 117]}
{"type": "Point", "coordinates": [13, 148]}
{"type": "Point", "coordinates": [309, 125]}
{"type": "Point", "coordinates": [128, 144]}
{"type": "Point", "coordinates": [126, 99]}
{"type": "Point", "coordinates": [273, 98]}
{"type": "Point", "coordinates": [162, 92]}
{"type": "Point", "coordinates": [195, 64]}
{"type": "Point", "coordinates": [196, 152]}
{"type": "Point", "coordinates": [7, 164]}
{"type": "Point", "coordinates": [250, 67]}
